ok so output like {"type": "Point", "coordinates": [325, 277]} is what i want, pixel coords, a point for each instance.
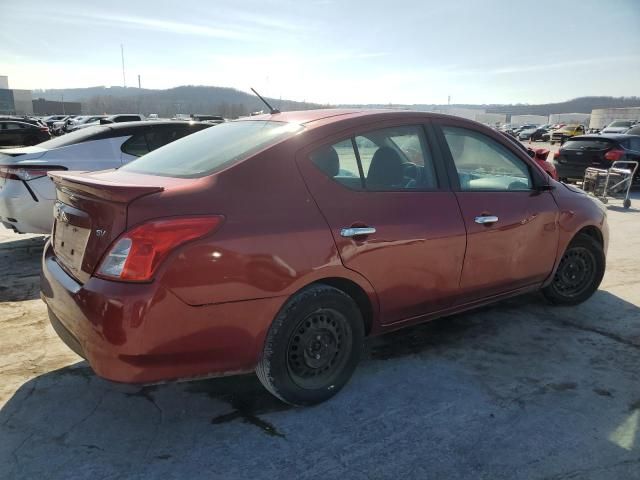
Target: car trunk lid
{"type": "Point", "coordinates": [89, 214]}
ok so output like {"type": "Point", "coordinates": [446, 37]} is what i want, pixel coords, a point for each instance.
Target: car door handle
{"type": "Point", "coordinates": [486, 219]}
{"type": "Point", "coordinates": [357, 231]}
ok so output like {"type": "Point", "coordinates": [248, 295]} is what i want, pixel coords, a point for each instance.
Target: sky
{"type": "Point", "coordinates": [331, 51]}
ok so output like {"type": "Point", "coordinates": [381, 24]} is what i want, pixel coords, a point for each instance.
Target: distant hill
{"type": "Point", "coordinates": [233, 103]}
{"type": "Point", "coordinates": [576, 105]}
{"type": "Point", "coordinates": [228, 102]}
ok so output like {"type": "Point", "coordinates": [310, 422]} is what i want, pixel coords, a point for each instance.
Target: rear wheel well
{"type": "Point", "coordinates": [592, 232]}
{"type": "Point", "coordinates": [357, 294]}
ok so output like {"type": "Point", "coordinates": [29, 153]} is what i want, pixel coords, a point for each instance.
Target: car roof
{"type": "Point", "coordinates": [331, 115]}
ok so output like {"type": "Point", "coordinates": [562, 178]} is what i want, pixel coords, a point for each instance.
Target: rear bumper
{"type": "Point", "coordinates": [142, 333]}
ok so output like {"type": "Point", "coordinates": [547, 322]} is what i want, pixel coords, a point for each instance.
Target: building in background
{"type": "Point", "coordinates": [601, 117]}
{"type": "Point", "coordinates": [50, 107]}
{"type": "Point", "coordinates": [570, 118]}
{"type": "Point", "coordinates": [12, 101]}
{"type": "Point", "coordinates": [519, 120]}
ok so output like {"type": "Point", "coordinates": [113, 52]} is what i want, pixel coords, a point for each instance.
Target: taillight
{"type": "Point", "coordinates": [136, 254]}
{"type": "Point", "coordinates": [556, 155]}
{"type": "Point", "coordinates": [614, 155]}
{"type": "Point", "coordinates": [44, 129]}
{"type": "Point", "coordinates": [27, 172]}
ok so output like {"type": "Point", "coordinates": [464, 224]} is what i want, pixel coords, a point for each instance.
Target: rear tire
{"type": "Point", "coordinates": [579, 273]}
{"type": "Point", "coordinates": [312, 347]}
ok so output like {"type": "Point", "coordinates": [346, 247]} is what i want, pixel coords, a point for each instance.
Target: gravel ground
{"type": "Point", "coordinates": [516, 390]}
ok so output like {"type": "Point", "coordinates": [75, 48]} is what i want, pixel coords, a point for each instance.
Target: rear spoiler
{"type": "Point", "coordinates": [77, 182]}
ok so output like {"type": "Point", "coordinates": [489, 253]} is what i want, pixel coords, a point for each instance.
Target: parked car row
{"type": "Point", "coordinates": [56, 125]}
{"type": "Point", "coordinates": [22, 131]}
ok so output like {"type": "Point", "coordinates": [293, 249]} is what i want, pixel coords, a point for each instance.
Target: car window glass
{"type": "Point", "coordinates": [484, 164]}
{"type": "Point", "coordinates": [159, 138]}
{"type": "Point", "coordinates": [396, 158]}
{"type": "Point", "coordinates": [339, 162]}
{"type": "Point", "coordinates": [136, 145]}
{"type": "Point", "coordinates": [634, 144]}
{"type": "Point", "coordinates": [210, 150]}
{"type": "Point", "coordinates": [12, 126]}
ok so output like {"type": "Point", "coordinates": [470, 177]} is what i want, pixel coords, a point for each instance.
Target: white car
{"type": "Point", "coordinates": [102, 119]}
{"type": "Point", "coordinates": [27, 194]}
{"type": "Point", "coordinates": [618, 126]}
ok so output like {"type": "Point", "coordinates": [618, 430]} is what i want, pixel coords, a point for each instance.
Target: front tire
{"type": "Point", "coordinates": [312, 347]}
{"type": "Point", "coordinates": [579, 273]}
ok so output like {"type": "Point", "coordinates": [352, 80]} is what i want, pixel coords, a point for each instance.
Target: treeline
{"type": "Point", "coordinates": [228, 102]}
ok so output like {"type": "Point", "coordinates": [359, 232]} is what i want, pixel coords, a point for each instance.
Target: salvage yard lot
{"type": "Point", "coordinates": [516, 390]}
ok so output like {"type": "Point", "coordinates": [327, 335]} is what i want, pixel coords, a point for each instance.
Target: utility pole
{"type": "Point", "coordinates": [139, 81]}
{"type": "Point", "coordinates": [124, 79]}
{"type": "Point", "coordinates": [62, 98]}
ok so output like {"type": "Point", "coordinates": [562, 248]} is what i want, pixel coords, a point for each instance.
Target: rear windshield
{"type": "Point", "coordinates": [73, 137]}
{"type": "Point", "coordinates": [587, 144]}
{"type": "Point", "coordinates": [209, 150]}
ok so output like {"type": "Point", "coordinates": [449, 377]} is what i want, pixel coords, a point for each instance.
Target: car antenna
{"type": "Point", "coordinates": [272, 110]}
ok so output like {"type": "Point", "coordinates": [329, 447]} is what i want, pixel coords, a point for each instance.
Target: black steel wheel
{"type": "Point", "coordinates": [579, 272]}
{"type": "Point", "coordinates": [319, 348]}
{"type": "Point", "coordinates": [312, 347]}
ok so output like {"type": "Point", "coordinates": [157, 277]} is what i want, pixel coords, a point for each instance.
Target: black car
{"type": "Point", "coordinates": [14, 132]}
{"type": "Point", "coordinates": [597, 151]}
{"type": "Point", "coordinates": [26, 119]}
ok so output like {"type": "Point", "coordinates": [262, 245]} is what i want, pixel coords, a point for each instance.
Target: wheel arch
{"type": "Point", "coordinates": [357, 293]}
{"type": "Point", "coordinates": [591, 231]}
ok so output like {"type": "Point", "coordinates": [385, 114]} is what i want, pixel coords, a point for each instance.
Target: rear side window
{"type": "Point", "coordinates": [339, 162]}
{"type": "Point", "coordinates": [126, 118]}
{"type": "Point", "coordinates": [207, 151]}
{"type": "Point", "coordinates": [390, 159]}
{"type": "Point", "coordinates": [145, 142]}
{"type": "Point", "coordinates": [136, 145]}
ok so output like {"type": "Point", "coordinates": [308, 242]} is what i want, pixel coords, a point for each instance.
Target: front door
{"type": "Point", "coordinates": [512, 233]}
{"type": "Point", "coordinates": [393, 219]}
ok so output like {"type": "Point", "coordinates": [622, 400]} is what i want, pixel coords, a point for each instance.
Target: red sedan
{"type": "Point", "coordinates": [277, 243]}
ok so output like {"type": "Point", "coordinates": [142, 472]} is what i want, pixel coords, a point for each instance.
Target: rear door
{"type": "Point", "coordinates": [512, 233]}
{"type": "Point", "coordinates": [393, 217]}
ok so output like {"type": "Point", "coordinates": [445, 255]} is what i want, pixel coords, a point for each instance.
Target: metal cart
{"type": "Point", "coordinates": [614, 182]}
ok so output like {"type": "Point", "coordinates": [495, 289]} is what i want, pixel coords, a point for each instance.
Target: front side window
{"type": "Point", "coordinates": [390, 159]}
{"type": "Point", "coordinates": [210, 150]}
{"type": "Point", "coordinates": [484, 164]}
